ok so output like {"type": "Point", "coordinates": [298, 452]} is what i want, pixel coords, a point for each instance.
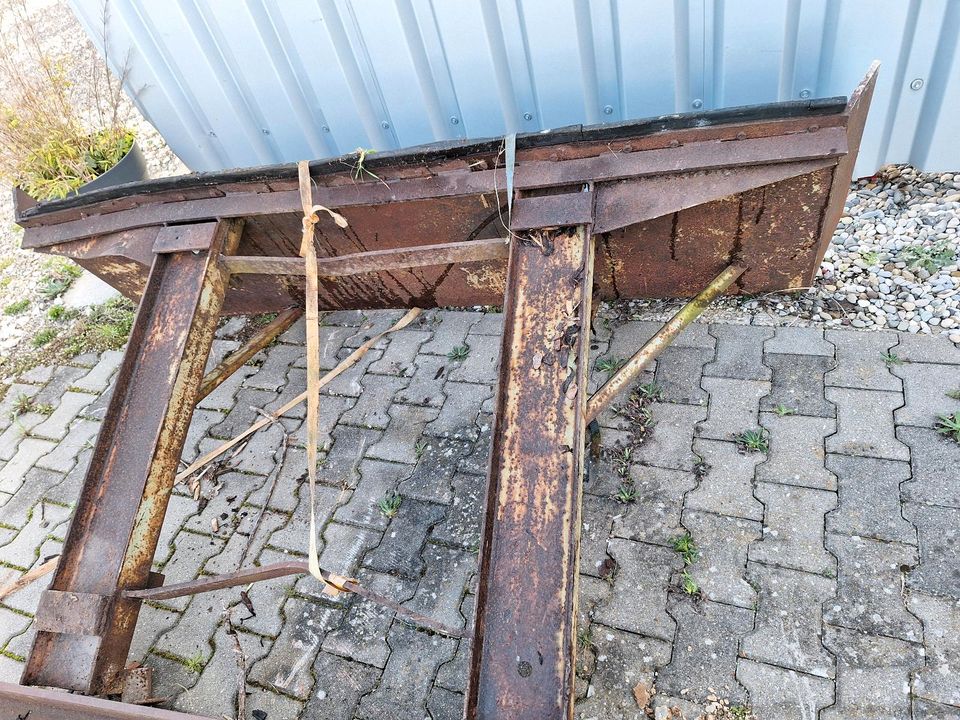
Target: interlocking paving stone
{"type": "Point", "coordinates": [870, 499]}
{"type": "Point", "coordinates": [241, 549]}
{"type": "Point", "coordinates": [28, 452]}
{"type": "Point", "coordinates": [413, 663]}
{"type": "Point", "coordinates": [490, 324]}
{"type": "Point", "coordinates": [929, 349]}
{"type": "Point", "coordinates": [62, 380]}
{"type": "Point", "coordinates": [286, 493]}
{"type": "Point", "coordinates": [870, 581]}
{"type": "Point", "coordinates": [449, 330]}
{"type": "Point", "coordinates": [476, 462]}
{"type": "Point", "coordinates": [261, 452]}
{"type": "Point", "coordinates": [440, 591]}
{"type": "Point", "coordinates": [376, 480]}
{"type": "Point", "coordinates": [152, 622]}
{"type": "Point", "coordinates": [927, 710]}
{"type": "Point", "coordinates": [793, 528]}
{"type": "Point", "coordinates": [14, 393]}
{"type": "Point", "coordinates": [796, 453]}
{"type": "Point", "coordinates": [349, 446]}
{"type": "Point", "coordinates": [721, 569]}
{"type": "Point", "coordinates": [272, 704]}
{"type": "Point", "coordinates": [295, 386]}
{"type": "Point", "coordinates": [654, 516]}
{"type": "Point", "coordinates": [783, 694]}
{"type": "Point", "coordinates": [191, 637]}
{"type": "Point", "coordinates": [340, 685]}
{"type": "Point", "coordinates": [668, 442]}
{"type": "Point", "coordinates": [480, 366]}
{"type": "Point", "coordinates": [934, 460]}
{"type": "Point", "coordinates": [623, 660]}
{"type": "Point", "coordinates": [596, 515]}
{"type": "Point", "coordinates": [445, 705]}
{"type": "Point", "coordinates": [11, 625]}
{"type": "Point", "coordinates": [38, 375]}
{"type": "Point", "coordinates": [460, 410]}
{"type": "Point", "coordinates": [400, 357]}
{"type": "Point", "coordinates": [734, 407]}
{"type": "Point", "coordinates": [925, 388]}
{"type": "Point", "coordinates": [223, 397]}
{"type": "Point", "coordinates": [638, 601]}
{"type": "Point", "coordinates": [704, 656]}
{"type": "Point", "coordinates": [98, 378]}
{"type": "Point", "coordinates": [788, 624]}
{"type": "Point", "coordinates": [727, 486]}
{"type": "Point", "coordinates": [452, 675]}
{"type": "Point", "coordinates": [426, 382]}
{"type": "Point", "coordinates": [373, 324]}
{"type": "Point", "coordinates": [873, 675]}
{"type": "Point", "coordinates": [331, 340]}
{"type": "Point", "coordinates": [372, 408]}
{"type": "Point", "coordinates": [268, 599]}
{"type": "Point", "coordinates": [739, 352]}
{"type": "Point", "coordinates": [399, 553]}
{"type": "Point", "coordinates": [399, 441]}
{"type": "Point", "coordinates": [432, 478]}
{"type": "Point", "coordinates": [938, 680]}
{"type": "Point", "coordinates": [287, 667]}
{"type": "Point", "coordinates": [243, 414]}
{"type": "Point", "coordinates": [678, 374]}
{"type": "Point", "coordinates": [798, 341]}
{"type": "Point", "coordinates": [37, 483]}
{"type": "Point", "coordinates": [860, 362]}
{"type": "Point", "coordinates": [272, 374]}
{"type": "Point", "coordinates": [939, 532]}
{"type": "Point", "coordinates": [347, 383]}
{"type": "Point", "coordinates": [798, 384]}
{"type": "Point", "coordinates": [865, 424]}
{"type": "Point", "coordinates": [462, 524]}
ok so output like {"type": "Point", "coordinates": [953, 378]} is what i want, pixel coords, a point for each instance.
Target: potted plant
{"type": "Point", "coordinates": [61, 126]}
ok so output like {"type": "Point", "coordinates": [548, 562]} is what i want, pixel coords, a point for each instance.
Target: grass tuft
{"type": "Point", "coordinates": [389, 504]}
{"type": "Point", "coordinates": [949, 425]}
{"type": "Point", "coordinates": [753, 441]}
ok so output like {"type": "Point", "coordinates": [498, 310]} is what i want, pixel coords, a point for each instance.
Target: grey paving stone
{"type": "Point", "coordinates": [445, 705]}
{"type": "Point", "coordinates": [400, 439]}
{"type": "Point", "coordinates": [679, 371]}
{"type": "Point", "coordinates": [788, 625]}
{"type": "Point", "coordinates": [639, 597]}
{"type": "Point", "coordinates": [347, 383]}
{"type": "Point", "coordinates": [11, 625]}
{"type": "Point", "coordinates": [870, 499]}
{"type": "Point", "coordinates": [37, 484]}
{"type": "Point", "coordinates": [179, 508]}
{"type": "Point", "coordinates": [28, 452]}
{"type": "Point", "coordinates": [481, 365]}
{"type": "Point", "coordinates": [373, 324]}
{"type": "Point", "coordinates": [13, 394]}
{"type": "Point", "coordinates": [295, 386]}
{"type": "Point", "coordinates": [669, 441]}
{"type": "Point", "coordinates": [287, 667]}
{"type": "Point", "coordinates": [192, 637]}
{"type": "Point", "coordinates": [934, 462]}
{"type": "Point", "coordinates": [200, 423]}
{"type": "Point", "coordinates": [401, 354]}
{"type": "Point", "coordinates": [339, 687]}
{"type": "Point", "coordinates": [870, 582]}
{"type": "Point", "coordinates": [654, 516]}
{"type": "Point", "coordinates": [939, 532]}
{"type": "Point", "coordinates": [476, 462]}
{"type": "Point", "coordinates": [734, 407]}
{"type": "Point", "coordinates": [452, 675]}
{"type": "Point", "coordinates": [261, 453]}
{"type": "Point", "coordinates": [97, 410]}
{"type": "Point", "coordinates": [927, 349]}
{"type": "Point", "coordinates": [720, 572]}
{"type": "Point", "coordinates": [371, 409]}
{"type": "Point", "coordinates": [704, 660]}
{"type": "Point", "coordinates": [596, 521]}
{"type": "Point", "coordinates": [11, 437]}
{"type": "Point", "coordinates": [461, 526]}
{"type": "Point", "coordinates": [927, 710]}
{"type": "Point", "coordinates": [783, 694]}
{"type": "Point", "coordinates": [295, 535]}
{"type": "Point", "coordinates": [449, 330]}
{"type": "Point", "coordinates": [240, 549]}
{"type": "Point", "coordinates": [399, 553]}
{"type": "Point", "coordinates": [350, 445]}
{"type": "Point", "coordinates": [727, 486]}
{"type": "Point", "coordinates": [272, 374]}
{"type": "Point", "coordinates": [796, 453]}
{"type": "Point", "coordinates": [243, 413]}
{"type": "Point", "coordinates": [873, 675]}
{"type": "Point", "coordinates": [376, 480]}
{"type": "Point", "coordinates": [938, 679]}
{"type": "Point", "coordinates": [865, 424]}
{"type": "Point", "coordinates": [97, 380]}
{"type": "Point", "coordinates": [272, 704]}
{"type": "Point", "coordinates": [39, 375]}
{"type": "Point", "coordinates": [798, 341]}
{"type": "Point", "coordinates": [27, 600]}
{"type": "Point", "coordinates": [413, 663]}
{"type": "Point", "coordinates": [623, 660]}
{"type": "Point", "coordinates": [426, 382]}
{"type": "Point", "coordinates": [925, 388]}
{"type": "Point", "coordinates": [444, 582]}
{"type": "Point", "coordinates": [224, 396]}
{"type": "Point", "coordinates": [490, 324]}
{"type": "Point", "coordinates": [793, 528]}
{"type": "Point", "coordinates": [62, 380]}
{"type": "Point", "coordinates": [171, 678]}
{"type": "Point", "coordinates": [860, 362]}
{"type": "Point", "coordinates": [432, 478]}
{"type": "Point", "coordinates": [152, 622]}
{"type": "Point", "coordinates": [345, 318]}
{"type": "Point", "coordinates": [286, 493]}
{"type": "Point", "coordinates": [458, 416]}
{"type": "Point", "coordinates": [739, 352]}
{"type": "Point", "coordinates": [798, 384]}
{"type": "Point", "coordinates": [268, 598]}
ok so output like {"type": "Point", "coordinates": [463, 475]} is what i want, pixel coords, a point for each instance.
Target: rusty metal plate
{"type": "Point", "coordinates": [29, 703]}
{"type": "Point", "coordinates": [72, 613]}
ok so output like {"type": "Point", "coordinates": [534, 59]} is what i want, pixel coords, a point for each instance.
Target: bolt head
{"type": "Point", "coordinates": [325, 128]}
{"type": "Point", "coordinates": [697, 104]}
{"type": "Point", "coordinates": [916, 84]}
{"type": "Point", "coordinates": [528, 116]}
{"type": "Point", "coordinates": [805, 93]}
{"type": "Point", "coordinates": [385, 125]}
{"type": "Point", "coordinates": [608, 109]}
{"type": "Point", "coordinates": [454, 120]}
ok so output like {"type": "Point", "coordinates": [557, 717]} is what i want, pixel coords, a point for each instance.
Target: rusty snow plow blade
{"type": "Point", "coordinates": [742, 200]}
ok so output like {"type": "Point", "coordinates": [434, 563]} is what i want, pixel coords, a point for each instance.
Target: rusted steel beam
{"type": "Point", "coordinates": [235, 360]}
{"type": "Point", "coordinates": [22, 703]}
{"type": "Point", "coordinates": [826, 143]}
{"type": "Point", "coordinates": [524, 643]}
{"type": "Point", "coordinates": [117, 522]}
{"type": "Point", "coordinates": [603, 397]}
{"type": "Point", "coordinates": [375, 260]}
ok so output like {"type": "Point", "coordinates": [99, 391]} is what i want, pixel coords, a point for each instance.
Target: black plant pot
{"type": "Point", "coordinates": [131, 168]}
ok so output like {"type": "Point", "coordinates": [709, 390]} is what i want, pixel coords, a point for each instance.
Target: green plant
{"type": "Point", "coordinates": [15, 308]}
{"type": "Point", "coordinates": [389, 504]}
{"type": "Point", "coordinates": [949, 425]}
{"type": "Point", "coordinates": [890, 359]}
{"type": "Point", "coordinates": [22, 405]}
{"type": "Point", "coordinates": [609, 365]}
{"type": "Point", "coordinates": [685, 546]}
{"type": "Point", "coordinates": [43, 408]}
{"type": "Point", "coordinates": [420, 448]}
{"type": "Point", "coordinates": [753, 440]}
{"type": "Point", "coordinates": [688, 584]}
{"type": "Point", "coordinates": [56, 312]}
{"type": "Point", "coordinates": [44, 336]}
{"type": "Point", "coordinates": [871, 257]}
{"type": "Point", "coordinates": [584, 637]}
{"type": "Point", "coordinates": [626, 493]}
{"type": "Point", "coordinates": [651, 391]}
{"type": "Point", "coordinates": [622, 461]}
{"type": "Point", "coordinates": [59, 279]}
{"type": "Point", "coordinates": [460, 352]}
{"type": "Point", "coordinates": [782, 410]}
{"type": "Point", "coordinates": [930, 257]}
{"type": "Point", "coordinates": [106, 328]}
{"type": "Point", "coordinates": [953, 394]}
{"type": "Point", "coordinates": [739, 712]}
{"type": "Point", "coordinates": [195, 664]}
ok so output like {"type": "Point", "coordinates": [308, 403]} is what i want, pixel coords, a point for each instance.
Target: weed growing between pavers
{"type": "Point", "coordinates": [753, 441]}
{"type": "Point", "coordinates": [949, 425]}
{"type": "Point", "coordinates": [890, 359]}
{"type": "Point", "coordinates": [389, 504]}
{"type": "Point", "coordinates": [782, 410]}
{"type": "Point", "coordinates": [639, 416]}
{"type": "Point", "coordinates": [460, 352]}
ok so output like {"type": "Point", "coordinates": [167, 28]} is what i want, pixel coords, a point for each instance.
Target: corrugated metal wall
{"type": "Point", "coordinates": [247, 82]}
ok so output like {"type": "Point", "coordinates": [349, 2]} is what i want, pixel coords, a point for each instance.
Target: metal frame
{"type": "Point", "coordinates": [524, 641]}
